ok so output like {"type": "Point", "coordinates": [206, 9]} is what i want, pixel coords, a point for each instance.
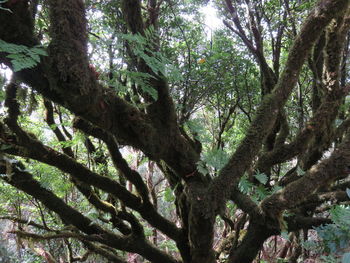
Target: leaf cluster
{"type": "Point", "coordinates": [21, 56]}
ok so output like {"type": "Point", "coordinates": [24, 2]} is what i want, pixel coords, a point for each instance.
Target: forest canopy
{"type": "Point", "coordinates": [134, 131]}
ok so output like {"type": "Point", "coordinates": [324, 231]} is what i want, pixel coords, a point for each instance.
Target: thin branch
{"type": "Point", "coordinates": [26, 222]}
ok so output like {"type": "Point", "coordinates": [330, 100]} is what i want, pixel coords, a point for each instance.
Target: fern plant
{"type": "Point", "coordinates": [21, 56]}
{"type": "Point", "coordinates": [142, 47]}
{"type": "Point", "coordinates": [335, 237]}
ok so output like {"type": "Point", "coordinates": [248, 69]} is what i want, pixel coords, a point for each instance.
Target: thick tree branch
{"type": "Point", "coordinates": [64, 235]}
{"type": "Point", "coordinates": [64, 77]}
{"type": "Point", "coordinates": [104, 251]}
{"type": "Point", "coordinates": [316, 125]}
{"type": "Point", "coordinates": [162, 110]}
{"type": "Point", "coordinates": [335, 167]}
{"type": "Point", "coordinates": [336, 34]}
{"type": "Point", "coordinates": [229, 176]}
{"type": "Point", "coordinates": [245, 203]}
{"type": "Point", "coordinates": [16, 176]}
{"type": "Point", "coordinates": [317, 199]}
{"type": "Point", "coordinates": [36, 150]}
{"type": "Point", "coordinates": [147, 210]}
{"type": "Point", "coordinates": [299, 222]}
{"type": "Point", "coordinates": [19, 178]}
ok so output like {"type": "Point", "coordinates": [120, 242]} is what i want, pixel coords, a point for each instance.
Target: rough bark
{"type": "Point", "coordinates": [65, 78]}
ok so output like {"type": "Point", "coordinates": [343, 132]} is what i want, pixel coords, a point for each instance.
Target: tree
{"type": "Point", "coordinates": [290, 160]}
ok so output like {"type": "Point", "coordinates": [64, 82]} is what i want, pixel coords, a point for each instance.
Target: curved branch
{"type": "Point", "coordinates": [96, 249]}
{"type": "Point", "coordinates": [335, 167]}
{"type": "Point", "coordinates": [19, 178]}
{"type": "Point", "coordinates": [26, 222]}
{"type": "Point", "coordinates": [257, 50]}
{"type": "Point", "coordinates": [240, 161]}
{"type": "Point", "coordinates": [32, 148]}
{"type": "Point", "coordinates": [324, 114]}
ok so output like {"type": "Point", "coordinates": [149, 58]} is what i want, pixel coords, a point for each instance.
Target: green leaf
{"type": "Point", "coordinates": [12, 48]}
{"type": "Point", "coordinates": [139, 78]}
{"type": "Point", "coordinates": [340, 216]}
{"type": "Point", "coordinates": [53, 126]}
{"type": "Point", "coordinates": [261, 192]}
{"type": "Point", "coordinates": [261, 177]}
{"type": "Point", "coordinates": [197, 129]}
{"type": "Point", "coordinates": [2, 95]}
{"type": "Point", "coordinates": [168, 195]}
{"type": "Point", "coordinates": [22, 57]}
{"type": "Point", "coordinates": [216, 158]}
{"type": "Point", "coordinates": [151, 91]}
{"type": "Point", "coordinates": [93, 215]}
{"type": "Point", "coordinates": [39, 50]}
{"type": "Point", "coordinates": [275, 188]}
{"type": "Point", "coordinates": [245, 186]}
